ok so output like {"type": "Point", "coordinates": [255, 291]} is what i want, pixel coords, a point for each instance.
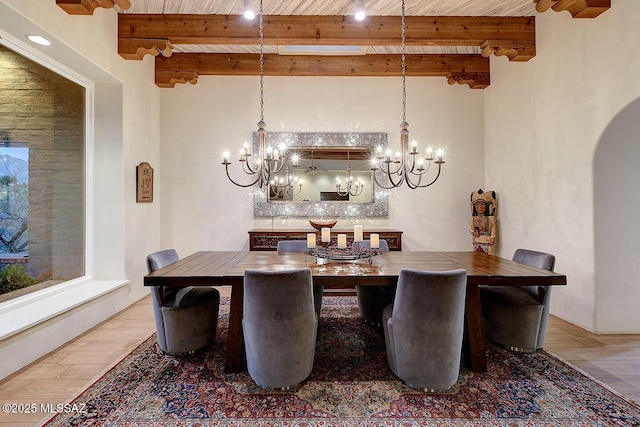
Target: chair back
{"type": "Point", "coordinates": [160, 259]}
{"type": "Point", "coordinates": [426, 326]}
{"type": "Point", "coordinates": [544, 261]}
{"type": "Point", "coordinates": [292, 246]}
{"type": "Point", "coordinates": [384, 246]}
{"type": "Point", "coordinates": [279, 326]}
{"type": "Point", "coordinates": [301, 246]}
{"type": "Point", "coordinates": [156, 261]}
{"type": "Point", "coordinates": [537, 259]}
{"type": "Point", "coordinates": [161, 294]}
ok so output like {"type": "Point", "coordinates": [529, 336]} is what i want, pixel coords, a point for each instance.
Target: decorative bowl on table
{"type": "Point", "coordinates": [319, 224]}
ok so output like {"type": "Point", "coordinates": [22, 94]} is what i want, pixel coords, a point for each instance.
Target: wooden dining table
{"type": "Point", "coordinates": [226, 268]}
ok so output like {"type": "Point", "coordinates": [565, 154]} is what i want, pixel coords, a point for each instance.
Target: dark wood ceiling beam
{"type": "Point", "coordinates": [86, 7]}
{"type": "Point", "coordinates": [513, 34]}
{"type": "Point", "coordinates": [577, 8]}
{"type": "Point", "coordinates": [131, 48]}
{"type": "Point", "coordinates": [186, 67]}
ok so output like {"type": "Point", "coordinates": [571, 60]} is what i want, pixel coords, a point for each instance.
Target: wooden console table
{"type": "Point", "coordinates": [267, 240]}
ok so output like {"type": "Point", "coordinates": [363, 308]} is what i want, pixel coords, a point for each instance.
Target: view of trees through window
{"type": "Point", "coordinates": [14, 199]}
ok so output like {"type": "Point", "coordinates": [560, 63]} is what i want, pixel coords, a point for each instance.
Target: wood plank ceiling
{"type": "Point", "coordinates": [449, 38]}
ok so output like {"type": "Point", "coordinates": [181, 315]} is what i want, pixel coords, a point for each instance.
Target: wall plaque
{"type": "Point", "coordinates": [144, 183]}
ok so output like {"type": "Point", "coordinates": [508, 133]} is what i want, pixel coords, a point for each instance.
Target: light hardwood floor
{"type": "Point", "coordinates": [60, 375]}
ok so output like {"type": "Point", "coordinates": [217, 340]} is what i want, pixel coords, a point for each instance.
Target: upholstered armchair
{"type": "Point", "coordinates": [373, 299]}
{"type": "Point", "coordinates": [186, 318]}
{"type": "Point", "coordinates": [516, 317]}
{"type": "Point", "coordinates": [423, 329]}
{"type": "Point", "coordinates": [279, 326]}
{"type": "Point", "coordinates": [301, 246]}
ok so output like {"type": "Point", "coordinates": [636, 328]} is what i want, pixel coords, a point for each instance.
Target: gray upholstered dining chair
{"type": "Point", "coordinates": [373, 299]}
{"type": "Point", "coordinates": [301, 246]}
{"type": "Point", "coordinates": [186, 318]}
{"type": "Point", "coordinates": [423, 329]}
{"type": "Point", "coordinates": [279, 325]}
{"type": "Point", "coordinates": [516, 316]}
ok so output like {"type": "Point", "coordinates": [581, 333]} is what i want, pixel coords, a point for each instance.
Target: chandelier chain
{"type": "Point", "coordinates": [261, 26]}
{"type": "Point", "coordinates": [404, 71]}
{"type": "Point", "coordinates": [269, 161]}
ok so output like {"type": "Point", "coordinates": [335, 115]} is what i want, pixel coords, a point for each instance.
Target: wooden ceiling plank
{"type": "Point", "coordinates": [513, 33]}
{"type": "Point", "coordinates": [463, 66]}
{"type": "Point", "coordinates": [302, 29]}
{"type": "Point", "coordinates": [577, 8]}
{"type": "Point", "coordinates": [87, 7]}
{"type": "Point", "coordinates": [136, 49]}
{"type": "Point", "coordinates": [168, 79]}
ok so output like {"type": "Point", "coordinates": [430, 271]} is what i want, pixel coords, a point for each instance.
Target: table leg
{"type": "Point", "coordinates": [474, 345]}
{"type": "Point", "coordinates": [235, 339]}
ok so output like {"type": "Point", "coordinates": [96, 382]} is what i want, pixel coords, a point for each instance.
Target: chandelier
{"type": "Point", "coordinates": [351, 188]}
{"type": "Point", "coordinates": [278, 189]}
{"type": "Point", "coordinates": [405, 165]}
{"type": "Point", "coordinates": [274, 167]}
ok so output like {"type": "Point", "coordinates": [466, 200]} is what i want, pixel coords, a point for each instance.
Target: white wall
{"type": "Point", "coordinates": [202, 210]}
{"type": "Point", "coordinates": [544, 120]}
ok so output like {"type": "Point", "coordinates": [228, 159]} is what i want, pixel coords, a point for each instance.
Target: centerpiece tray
{"type": "Point", "coordinates": [350, 253]}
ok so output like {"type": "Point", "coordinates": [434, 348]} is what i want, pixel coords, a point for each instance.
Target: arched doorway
{"type": "Point", "coordinates": [617, 224]}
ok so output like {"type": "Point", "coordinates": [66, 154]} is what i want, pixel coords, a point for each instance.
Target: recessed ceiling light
{"type": "Point", "coordinates": [38, 40]}
{"type": "Point", "coordinates": [360, 10]}
{"type": "Point", "coordinates": [249, 12]}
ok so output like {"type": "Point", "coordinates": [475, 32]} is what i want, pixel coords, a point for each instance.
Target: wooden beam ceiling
{"type": "Point", "coordinates": [186, 67]}
{"type": "Point", "coordinates": [577, 8]}
{"type": "Point", "coordinates": [87, 7]}
{"type": "Point", "coordinates": [515, 35]}
{"type": "Point", "coordinates": [139, 35]}
{"type": "Point", "coordinates": [154, 34]}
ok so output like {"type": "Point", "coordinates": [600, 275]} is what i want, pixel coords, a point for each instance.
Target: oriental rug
{"type": "Point", "coordinates": [350, 385]}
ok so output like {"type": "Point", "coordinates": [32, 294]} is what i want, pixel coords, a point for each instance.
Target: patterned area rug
{"type": "Point", "coordinates": [350, 385]}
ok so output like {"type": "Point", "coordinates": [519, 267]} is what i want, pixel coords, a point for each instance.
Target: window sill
{"type": "Point", "coordinates": [37, 307]}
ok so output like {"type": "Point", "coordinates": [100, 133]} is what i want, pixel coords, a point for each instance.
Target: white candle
{"type": "Point", "coordinates": [311, 240]}
{"type": "Point", "coordinates": [342, 241]}
{"type": "Point", "coordinates": [375, 240]}
{"type": "Point", "coordinates": [357, 233]}
{"type": "Point", "coordinates": [326, 235]}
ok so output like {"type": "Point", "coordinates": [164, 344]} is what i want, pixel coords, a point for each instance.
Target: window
{"type": "Point", "coordinates": [14, 199]}
{"type": "Point", "coordinates": [42, 170]}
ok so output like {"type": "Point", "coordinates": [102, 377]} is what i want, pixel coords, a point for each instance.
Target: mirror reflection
{"type": "Point", "coordinates": [327, 161]}
{"type": "Point", "coordinates": [328, 174]}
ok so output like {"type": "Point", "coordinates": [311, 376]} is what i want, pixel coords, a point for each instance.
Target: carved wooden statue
{"type": "Point", "coordinates": [482, 223]}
